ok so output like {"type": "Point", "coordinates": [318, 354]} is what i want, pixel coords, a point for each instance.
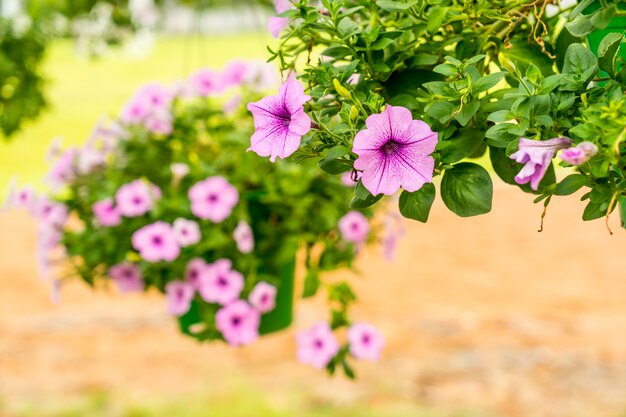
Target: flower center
{"type": "Point", "coordinates": [391, 147]}
{"type": "Point", "coordinates": [264, 298]}
{"type": "Point", "coordinates": [366, 339]}
{"type": "Point", "coordinates": [236, 321]}
{"type": "Point", "coordinates": [157, 240]}
{"type": "Point", "coordinates": [318, 344]}
{"type": "Point", "coordinates": [212, 198]}
{"type": "Point", "coordinates": [193, 274]}
{"type": "Point", "coordinates": [222, 282]}
{"type": "Point", "coordinates": [137, 200]}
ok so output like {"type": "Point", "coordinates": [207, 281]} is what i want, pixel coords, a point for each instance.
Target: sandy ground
{"type": "Point", "coordinates": [482, 313]}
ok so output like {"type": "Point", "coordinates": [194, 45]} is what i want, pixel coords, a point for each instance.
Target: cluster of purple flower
{"type": "Point", "coordinates": [318, 345]}
{"type": "Point", "coordinates": [212, 201]}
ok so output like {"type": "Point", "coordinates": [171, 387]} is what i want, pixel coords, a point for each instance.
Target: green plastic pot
{"type": "Point", "coordinates": [277, 260]}
{"type": "Point", "coordinates": [616, 25]}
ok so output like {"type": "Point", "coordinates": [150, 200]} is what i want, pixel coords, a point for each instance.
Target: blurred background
{"type": "Point", "coordinates": [482, 316]}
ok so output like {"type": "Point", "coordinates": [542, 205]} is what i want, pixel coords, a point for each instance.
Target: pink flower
{"type": "Point", "coordinates": [263, 297]}
{"type": "Point", "coordinates": [354, 227]}
{"type": "Point", "coordinates": [187, 232]}
{"type": "Point", "coordinates": [155, 96]}
{"type": "Point", "coordinates": [238, 323]}
{"type": "Point", "coordinates": [394, 229]}
{"type": "Point", "coordinates": [243, 237]}
{"type": "Point", "coordinates": [276, 24]}
{"type": "Point", "coordinates": [354, 79]}
{"type": "Point", "coordinates": [317, 346]}
{"type": "Point", "coordinates": [280, 121]}
{"type": "Point", "coordinates": [23, 198]}
{"type": "Point", "coordinates": [213, 199]}
{"type": "Point", "coordinates": [62, 171]}
{"type": "Point", "coordinates": [127, 277]}
{"type": "Point", "coordinates": [135, 111]}
{"type": "Point", "coordinates": [365, 341]}
{"type": "Point", "coordinates": [179, 296]}
{"type": "Point", "coordinates": [156, 242]}
{"type": "Point", "coordinates": [179, 171]}
{"type": "Point", "coordinates": [347, 178]}
{"type": "Point", "coordinates": [159, 123]}
{"type": "Point", "coordinates": [206, 83]}
{"type": "Point", "coordinates": [51, 214]}
{"type": "Point", "coordinates": [579, 154]}
{"type": "Point", "coordinates": [221, 284]}
{"type": "Point", "coordinates": [537, 157]}
{"type": "Point", "coordinates": [394, 152]}
{"type": "Point", "coordinates": [196, 272]}
{"type": "Point", "coordinates": [136, 198]}
{"type": "Point", "coordinates": [88, 159]}
{"type": "Point", "coordinates": [235, 73]}
{"type": "Point", "coordinates": [105, 212]}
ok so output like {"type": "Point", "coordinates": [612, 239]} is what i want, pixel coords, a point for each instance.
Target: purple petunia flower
{"type": "Point", "coordinates": [196, 272]}
{"type": "Point", "coordinates": [579, 154]}
{"type": "Point", "coordinates": [63, 171]}
{"type": "Point", "coordinates": [276, 24]}
{"type": "Point", "coordinates": [187, 232]}
{"type": "Point", "coordinates": [136, 198]}
{"type": "Point", "coordinates": [394, 152]}
{"type": "Point", "coordinates": [243, 237]}
{"type": "Point", "coordinates": [156, 242]}
{"type": "Point", "coordinates": [23, 198]}
{"type": "Point", "coordinates": [213, 199]}
{"type": "Point", "coordinates": [155, 96]}
{"type": "Point", "coordinates": [365, 341]}
{"type": "Point", "coordinates": [51, 214]}
{"type": "Point", "coordinates": [221, 284]}
{"type": "Point", "coordinates": [317, 346]}
{"type": "Point", "coordinates": [537, 157]}
{"type": "Point", "coordinates": [238, 322]}
{"type": "Point", "coordinates": [280, 121]}
{"type": "Point", "coordinates": [179, 296]}
{"type": "Point", "coordinates": [354, 227]}
{"type": "Point", "coordinates": [207, 83]}
{"type": "Point", "coordinates": [127, 277]}
{"type": "Point", "coordinates": [263, 297]}
{"type": "Point", "coordinates": [105, 212]}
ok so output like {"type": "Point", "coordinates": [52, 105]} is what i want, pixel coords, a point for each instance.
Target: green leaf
{"type": "Point", "coordinates": [467, 112]}
{"type": "Point", "coordinates": [395, 6]}
{"type": "Point", "coordinates": [578, 59]}
{"type": "Point", "coordinates": [334, 166]}
{"type": "Point", "coordinates": [602, 17]}
{"type": "Point", "coordinates": [570, 184]}
{"type": "Point", "coordinates": [595, 210]}
{"type": "Point", "coordinates": [416, 205]}
{"type": "Point", "coordinates": [467, 190]}
{"type": "Point", "coordinates": [607, 52]}
{"type": "Point", "coordinates": [336, 152]}
{"type": "Point", "coordinates": [487, 82]}
{"type": "Point", "coordinates": [581, 26]}
{"type": "Point", "coordinates": [436, 17]}
{"type": "Point", "coordinates": [463, 144]}
{"type": "Point", "coordinates": [522, 54]}
{"type": "Point", "coordinates": [363, 198]}
{"type": "Point", "coordinates": [446, 69]}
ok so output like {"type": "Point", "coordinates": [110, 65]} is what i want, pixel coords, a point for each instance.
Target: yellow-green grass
{"type": "Point", "coordinates": [80, 91]}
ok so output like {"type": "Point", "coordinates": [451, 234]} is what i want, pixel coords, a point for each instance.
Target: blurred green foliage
{"type": "Point", "coordinates": [22, 48]}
